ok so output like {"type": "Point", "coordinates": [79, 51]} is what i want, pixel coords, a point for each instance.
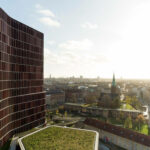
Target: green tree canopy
{"type": "Point", "coordinates": [128, 122]}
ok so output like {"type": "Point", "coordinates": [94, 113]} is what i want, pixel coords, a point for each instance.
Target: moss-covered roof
{"type": "Point", "coordinates": [56, 138]}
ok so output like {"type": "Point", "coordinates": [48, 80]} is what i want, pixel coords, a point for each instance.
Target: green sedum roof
{"type": "Point", "coordinates": [56, 138]}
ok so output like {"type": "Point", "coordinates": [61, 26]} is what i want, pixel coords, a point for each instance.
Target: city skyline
{"type": "Point", "coordinates": [89, 38]}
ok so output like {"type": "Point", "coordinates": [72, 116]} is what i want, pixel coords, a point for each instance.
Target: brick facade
{"type": "Point", "coordinates": [22, 100]}
{"type": "Point", "coordinates": [122, 137]}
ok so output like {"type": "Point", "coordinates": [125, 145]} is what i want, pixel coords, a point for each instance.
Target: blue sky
{"type": "Point", "coordinates": [89, 37]}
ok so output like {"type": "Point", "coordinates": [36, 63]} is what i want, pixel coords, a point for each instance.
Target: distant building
{"type": "Point", "coordinates": [96, 111]}
{"type": "Point", "coordinates": [81, 77]}
{"type": "Point", "coordinates": [113, 92]}
{"type": "Point", "coordinates": [73, 95]}
{"type": "Point", "coordinates": [122, 137]}
{"type": "Point", "coordinates": [55, 98]}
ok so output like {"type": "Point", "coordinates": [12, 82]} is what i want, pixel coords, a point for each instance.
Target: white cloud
{"type": "Point", "coordinates": [49, 22]}
{"type": "Point", "coordinates": [48, 17]}
{"type": "Point", "coordinates": [74, 52]}
{"type": "Point", "coordinates": [73, 57]}
{"type": "Point", "coordinates": [84, 44]}
{"type": "Point", "coordinates": [46, 12]}
{"type": "Point", "coordinates": [51, 42]}
{"type": "Point", "coordinates": [50, 57]}
{"type": "Point", "coordinates": [89, 25]}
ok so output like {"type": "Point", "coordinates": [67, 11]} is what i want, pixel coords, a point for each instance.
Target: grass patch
{"type": "Point", "coordinates": [55, 138]}
{"type": "Point", "coordinates": [6, 145]}
{"type": "Point", "coordinates": [144, 129]}
{"type": "Point", "coordinates": [127, 106]}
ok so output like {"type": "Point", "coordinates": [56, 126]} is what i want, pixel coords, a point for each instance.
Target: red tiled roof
{"type": "Point", "coordinates": [125, 133]}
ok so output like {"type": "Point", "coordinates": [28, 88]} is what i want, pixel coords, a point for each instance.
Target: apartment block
{"type": "Point", "coordinates": [22, 99]}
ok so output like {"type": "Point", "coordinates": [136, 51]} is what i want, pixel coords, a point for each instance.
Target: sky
{"type": "Point", "coordinates": [89, 37]}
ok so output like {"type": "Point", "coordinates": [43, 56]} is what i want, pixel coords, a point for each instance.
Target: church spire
{"type": "Point", "coordinates": [113, 81]}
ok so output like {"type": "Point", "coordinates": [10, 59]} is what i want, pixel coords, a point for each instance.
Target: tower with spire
{"type": "Point", "coordinates": [113, 92]}
{"type": "Point", "coordinates": [113, 81]}
{"type": "Point", "coordinates": [113, 87]}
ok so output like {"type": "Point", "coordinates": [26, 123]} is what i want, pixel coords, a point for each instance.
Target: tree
{"type": "Point", "coordinates": [134, 102]}
{"type": "Point", "coordinates": [128, 122]}
{"type": "Point", "coordinates": [73, 98]}
{"type": "Point", "coordinates": [116, 103]}
{"type": "Point", "coordinates": [90, 99]}
{"type": "Point", "coordinates": [65, 114]}
{"type": "Point", "coordinates": [140, 120]}
{"type": "Point", "coordinates": [108, 121]}
{"type": "Point", "coordinates": [131, 93]}
{"type": "Point", "coordinates": [106, 101]}
{"type": "Point", "coordinates": [121, 115]}
{"type": "Point", "coordinates": [118, 119]}
{"type": "Point", "coordinates": [57, 111]}
{"type": "Point", "coordinates": [135, 124]}
{"type": "Point", "coordinates": [49, 115]}
{"type": "Point", "coordinates": [128, 100]}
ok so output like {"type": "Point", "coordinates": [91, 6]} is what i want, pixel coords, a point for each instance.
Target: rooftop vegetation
{"type": "Point", "coordinates": [56, 138]}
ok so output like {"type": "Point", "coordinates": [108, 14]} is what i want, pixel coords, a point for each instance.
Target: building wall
{"type": "Point", "coordinates": [102, 112]}
{"type": "Point", "coordinates": [73, 95]}
{"type": "Point", "coordinates": [53, 100]}
{"type": "Point", "coordinates": [22, 100]}
{"type": "Point", "coordinates": [58, 99]}
{"type": "Point", "coordinates": [47, 100]}
{"type": "Point", "coordinates": [117, 140]}
{"type": "Point", "coordinates": [124, 114]}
